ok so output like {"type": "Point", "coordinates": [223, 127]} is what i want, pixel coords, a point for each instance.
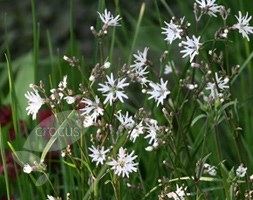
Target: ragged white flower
{"type": "Point", "coordinates": [92, 109]}
{"type": "Point", "coordinates": [140, 67]}
{"type": "Point", "coordinates": [211, 170]}
{"type": "Point", "coordinates": [209, 7]}
{"type": "Point", "coordinates": [34, 103]}
{"type": "Point", "coordinates": [70, 99]}
{"type": "Point", "coordinates": [152, 129]}
{"type": "Point", "coordinates": [98, 154]}
{"type": "Point", "coordinates": [126, 121]}
{"type": "Point", "coordinates": [241, 171]}
{"type": "Point", "coordinates": [243, 25]}
{"type": "Point", "coordinates": [88, 121]}
{"type": "Point", "coordinates": [124, 164]}
{"type": "Point", "coordinates": [108, 19]}
{"type": "Point", "coordinates": [172, 31]}
{"type": "Point", "coordinates": [113, 89]}
{"type": "Point", "coordinates": [179, 194]}
{"type": "Point", "coordinates": [56, 94]}
{"type": "Point", "coordinates": [159, 92]}
{"type": "Point", "coordinates": [168, 69]}
{"type": "Point", "coordinates": [136, 132]}
{"type": "Point", "coordinates": [222, 84]}
{"type": "Point", "coordinates": [191, 47]}
{"type": "Point", "coordinates": [63, 84]}
{"type": "Point", "coordinates": [49, 197]}
{"type": "Point", "coordinates": [140, 59]}
{"type": "Point", "coordinates": [27, 168]}
{"type": "Point", "coordinates": [141, 75]}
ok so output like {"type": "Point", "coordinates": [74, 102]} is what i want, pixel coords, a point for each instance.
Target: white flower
{"type": "Point", "coordinates": [209, 7]}
{"type": "Point", "coordinates": [63, 84]}
{"type": "Point", "coordinates": [56, 95]}
{"type": "Point", "coordinates": [140, 59]}
{"type": "Point", "coordinates": [125, 120]}
{"type": "Point", "coordinates": [87, 121]}
{"type": "Point", "coordinates": [98, 154]}
{"type": "Point", "coordinates": [159, 92]}
{"type": "Point", "coordinates": [108, 19]}
{"type": "Point", "coordinates": [179, 194]}
{"type": "Point", "coordinates": [140, 66]}
{"type": "Point", "coordinates": [69, 99]}
{"type": "Point", "coordinates": [140, 74]}
{"type": "Point", "coordinates": [172, 31]}
{"type": "Point", "coordinates": [49, 197]}
{"type": "Point", "coordinates": [124, 163]}
{"type": "Point", "coordinates": [27, 168]}
{"type": "Point", "coordinates": [136, 132]}
{"type": "Point", "coordinates": [168, 69]}
{"type": "Point", "coordinates": [191, 47]}
{"type": "Point", "coordinates": [241, 171]}
{"type": "Point", "coordinates": [243, 25]}
{"type": "Point", "coordinates": [34, 103]}
{"type": "Point", "coordinates": [154, 146]}
{"type": "Point", "coordinates": [222, 84]}
{"type": "Point", "coordinates": [113, 89]}
{"type": "Point", "coordinates": [211, 170]}
{"type": "Point", "coordinates": [92, 108]}
{"type": "Point", "coordinates": [152, 129]}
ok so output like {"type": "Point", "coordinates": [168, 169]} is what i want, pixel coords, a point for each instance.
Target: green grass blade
{"type": "Point", "coordinates": [55, 136]}
{"type": "Point", "coordinates": [13, 95]}
{"type": "Point", "coordinates": [245, 64]}
{"type": "Point", "coordinates": [137, 30]}
{"type": "Point", "coordinates": [35, 42]}
{"type": "Point", "coordinates": [4, 164]}
{"type": "Point", "coordinates": [51, 55]}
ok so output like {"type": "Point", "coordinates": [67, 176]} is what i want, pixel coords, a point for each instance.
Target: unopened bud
{"type": "Point", "coordinates": [92, 78]}
{"type": "Point", "coordinates": [107, 65]}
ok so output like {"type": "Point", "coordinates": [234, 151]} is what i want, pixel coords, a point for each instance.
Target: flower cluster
{"type": "Point", "coordinates": [106, 106]}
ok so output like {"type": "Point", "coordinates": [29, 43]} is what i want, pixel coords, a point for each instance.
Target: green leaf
{"type": "Point", "coordinates": [2, 149]}
{"type": "Point", "coordinates": [197, 119]}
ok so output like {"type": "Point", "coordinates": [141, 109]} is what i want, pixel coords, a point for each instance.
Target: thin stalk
{"type": "Point", "coordinates": [4, 164]}
{"type": "Point", "coordinates": [50, 183]}
{"type": "Point", "coordinates": [101, 47]}
{"type": "Point", "coordinates": [137, 30]}
{"type": "Point", "coordinates": [50, 49]}
{"type": "Point", "coordinates": [170, 11]}
{"type": "Point", "coordinates": [35, 42]}
{"type": "Point", "coordinates": [219, 154]}
{"type": "Point", "coordinates": [11, 85]}
{"type": "Point", "coordinates": [113, 33]}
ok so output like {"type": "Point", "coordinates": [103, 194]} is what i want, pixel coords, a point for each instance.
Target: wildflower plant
{"type": "Point", "coordinates": [162, 147]}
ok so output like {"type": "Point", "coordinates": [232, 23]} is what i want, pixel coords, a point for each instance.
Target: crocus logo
{"type": "Point", "coordinates": [54, 133]}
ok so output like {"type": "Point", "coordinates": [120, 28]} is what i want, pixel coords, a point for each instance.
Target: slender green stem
{"type": "Point", "coordinates": [219, 154]}
{"type": "Point", "coordinates": [4, 164]}
{"type": "Point", "coordinates": [50, 183]}
{"type": "Point", "coordinates": [35, 42]}
{"type": "Point", "coordinates": [137, 30]}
